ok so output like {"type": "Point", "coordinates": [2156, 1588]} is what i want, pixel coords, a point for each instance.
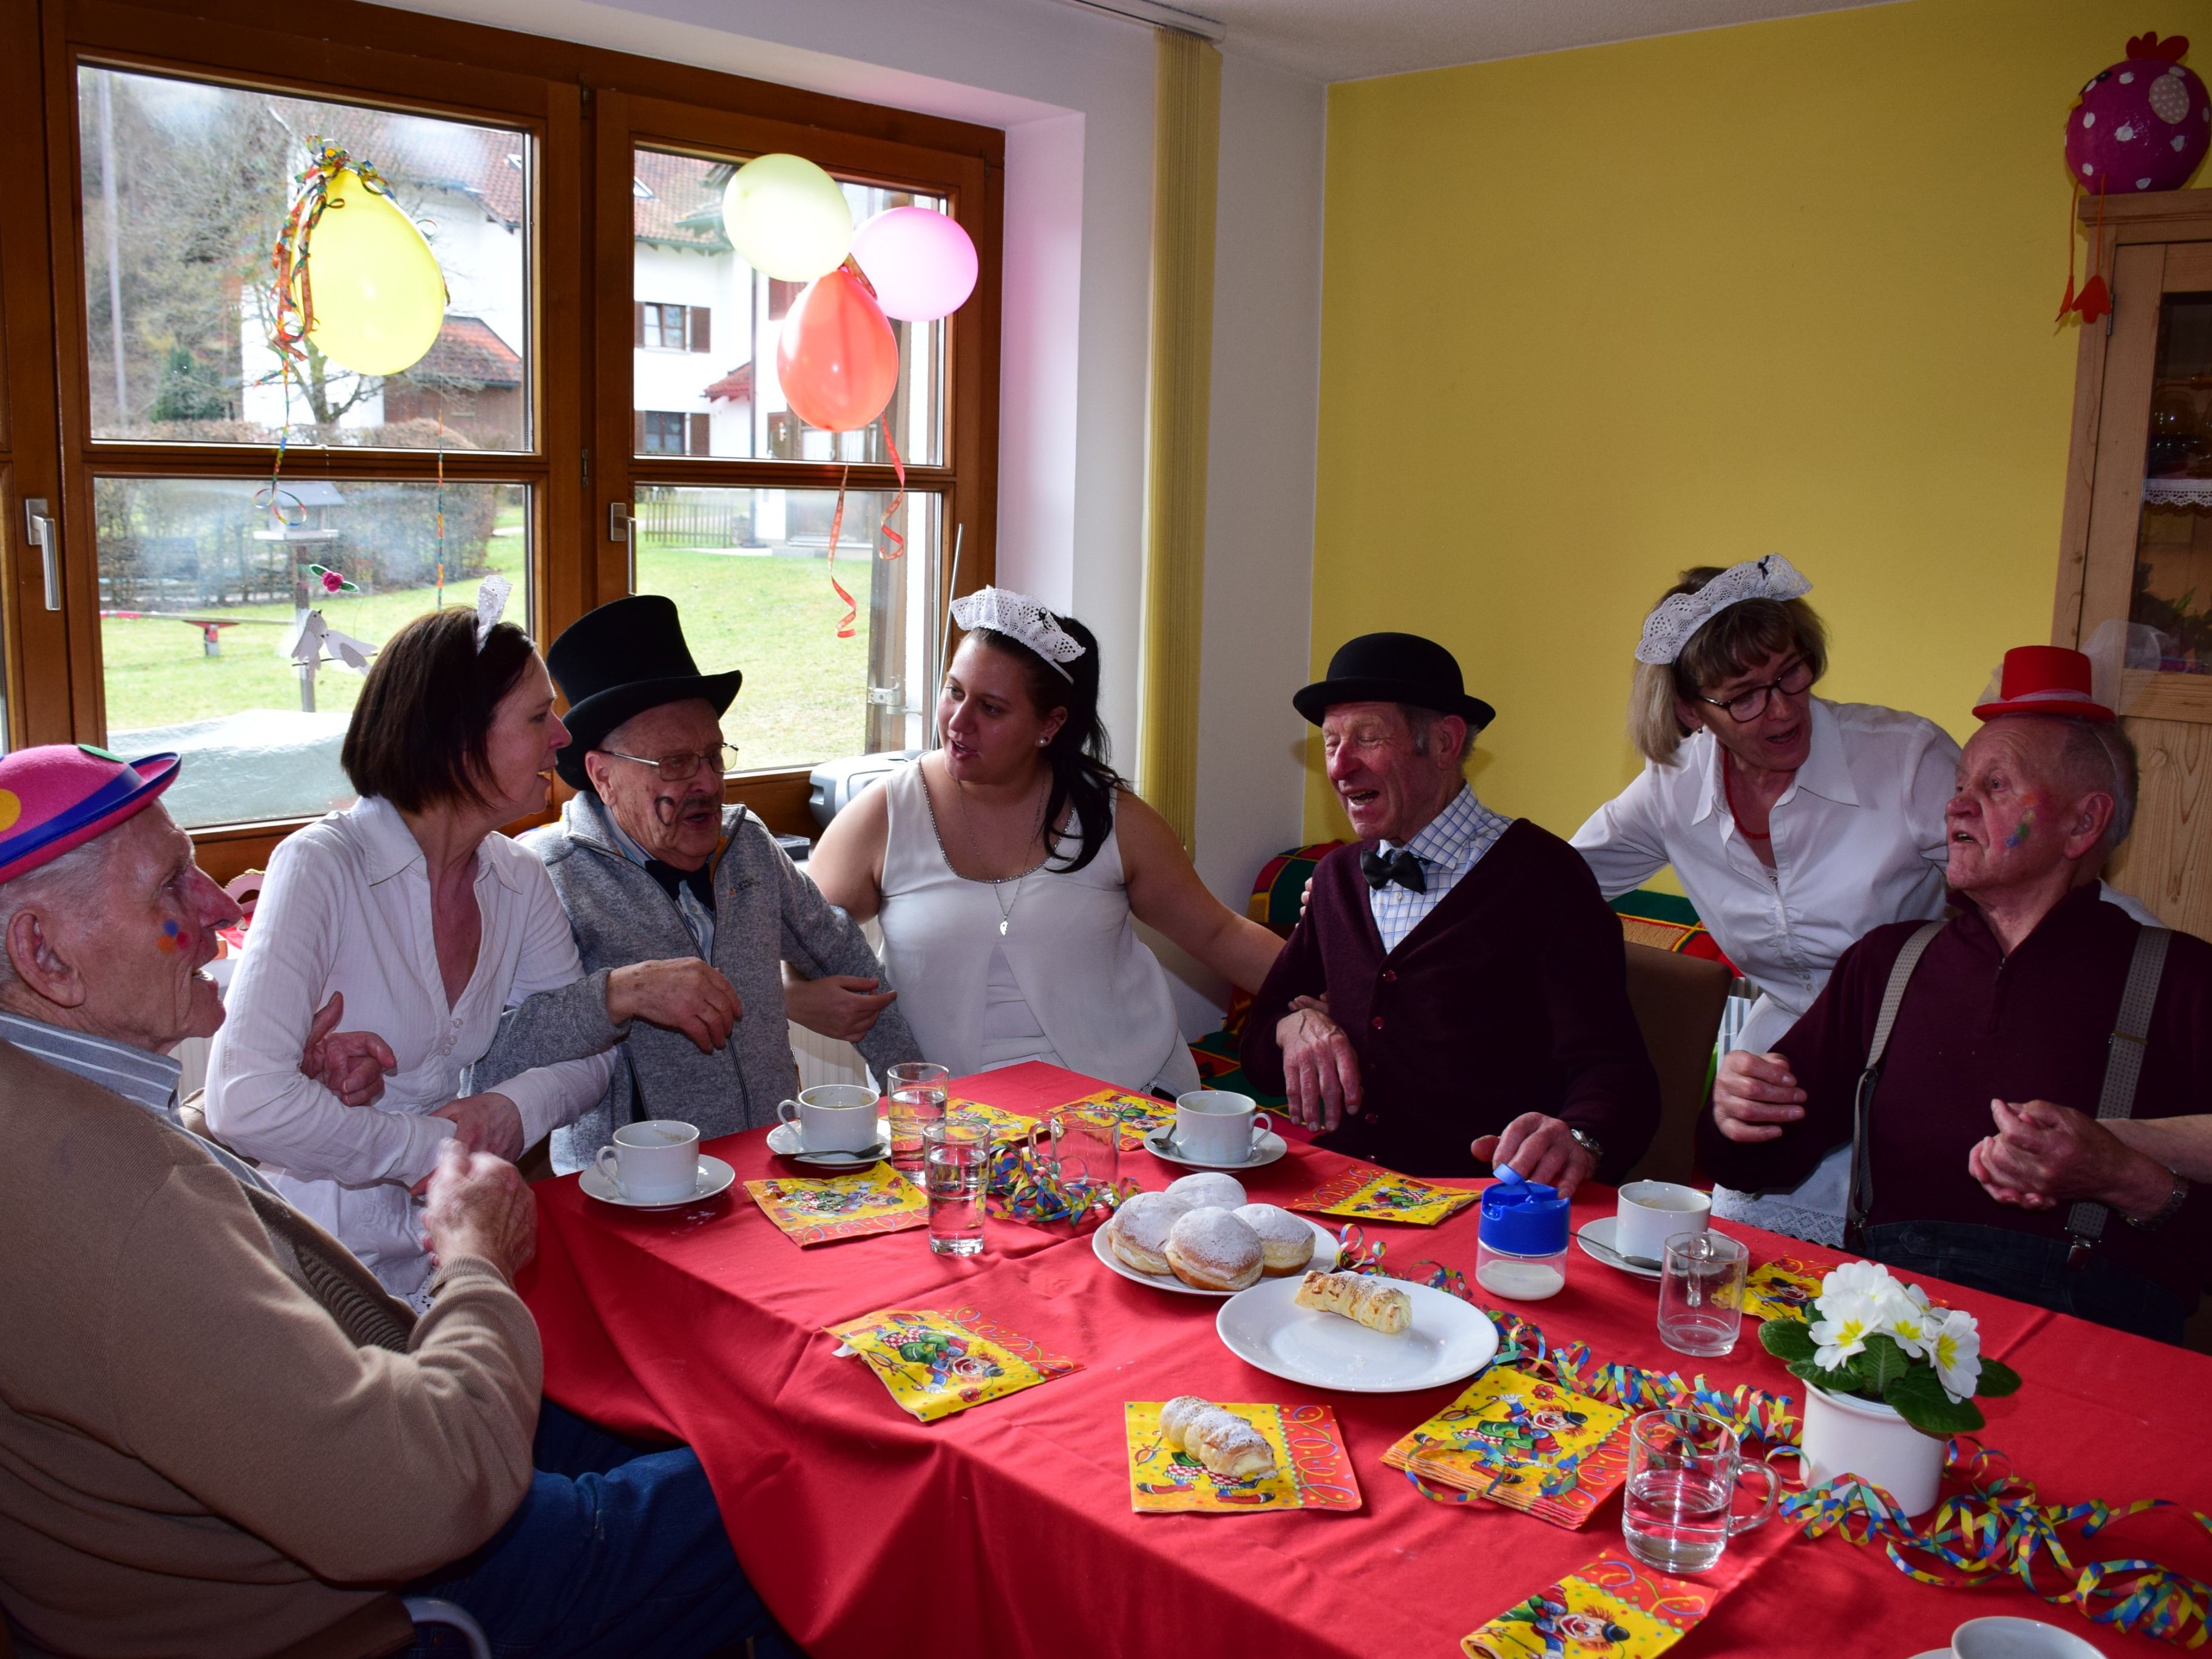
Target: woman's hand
{"type": "Point", "coordinates": [1754, 1096]}
{"type": "Point", "coordinates": [351, 1065]}
{"type": "Point", "coordinates": [1320, 1071]}
{"type": "Point", "coordinates": [843, 1006]}
{"type": "Point", "coordinates": [683, 993]}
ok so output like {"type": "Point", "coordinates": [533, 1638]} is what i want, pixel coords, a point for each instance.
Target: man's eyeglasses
{"type": "Point", "coordinates": [681, 769]}
{"type": "Point", "coordinates": [1750, 705]}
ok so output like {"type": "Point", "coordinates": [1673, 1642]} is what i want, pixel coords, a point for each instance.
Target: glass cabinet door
{"type": "Point", "coordinates": [2172, 594]}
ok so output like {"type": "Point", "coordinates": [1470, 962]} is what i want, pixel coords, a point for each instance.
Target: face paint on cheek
{"type": "Point", "coordinates": [2017, 836]}
{"type": "Point", "coordinates": [172, 938]}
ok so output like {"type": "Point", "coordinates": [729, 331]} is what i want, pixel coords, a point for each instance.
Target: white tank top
{"type": "Point", "coordinates": [1069, 982]}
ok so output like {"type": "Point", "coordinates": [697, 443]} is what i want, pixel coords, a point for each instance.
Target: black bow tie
{"type": "Point", "coordinates": [700, 881]}
{"type": "Point", "coordinates": [1400, 866]}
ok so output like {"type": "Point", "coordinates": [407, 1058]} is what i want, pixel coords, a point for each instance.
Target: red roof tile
{"type": "Point", "coordinates": [467, 353]}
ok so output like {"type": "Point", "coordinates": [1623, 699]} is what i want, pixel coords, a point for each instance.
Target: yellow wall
{"type": "Point", "coordinates": [1593, 316]}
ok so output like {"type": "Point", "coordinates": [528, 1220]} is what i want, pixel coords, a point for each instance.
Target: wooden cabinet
{"type": "Point", "coordinates": [2136, 545]}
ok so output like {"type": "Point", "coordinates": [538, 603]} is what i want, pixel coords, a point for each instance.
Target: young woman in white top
{"type": "Point", "coordinates": [1005, 866]}
{"type": "Point", "coordinates": [1795, 825]}
{"type": "Point", "coordinates": [430, 925]}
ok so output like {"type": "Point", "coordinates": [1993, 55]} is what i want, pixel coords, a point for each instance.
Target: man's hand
{"type": "Point", "coordinates": [351, 1065]}
{"type": "Point", "coordinates": [1539, 1148]}
{"type": "Point", "coordinates": [1754, 1096]}
{"type": "Point", "coordinates": [1321, 1072]}
{"type": "Point", "coordinates": [485, 1123]}
{"type": "Point", "coordinates": [479, 1206]}
{"type": "Point", "coordinates": [2043, 1154]}
{"type": "Point", "coordinates": [839, 1006]}
{"type": "Point", "coordinates": [683, 993]}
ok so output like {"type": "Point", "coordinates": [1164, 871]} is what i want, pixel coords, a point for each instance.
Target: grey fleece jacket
{"type": "Point", "coordinates": [766, 913]}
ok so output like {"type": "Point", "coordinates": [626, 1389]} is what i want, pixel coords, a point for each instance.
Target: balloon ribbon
{"type": "Point", "coordinates": [897, 548]}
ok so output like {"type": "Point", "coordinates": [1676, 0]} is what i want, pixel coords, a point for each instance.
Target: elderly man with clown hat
{"type": "Point", "coordinates": [1980, 1069]}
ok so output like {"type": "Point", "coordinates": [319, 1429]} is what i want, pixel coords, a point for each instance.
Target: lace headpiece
{"type": "Point", "coordinates": [1005, 612]}
{"type": "Point", "coordinates": [1679, 615]}
{"type": "Point", "coordinates": [491, 601]}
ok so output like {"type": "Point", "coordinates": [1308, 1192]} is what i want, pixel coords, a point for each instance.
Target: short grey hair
{"type": "Point", "coordinates": [2097, 757]}
{"type": "Point", "coordinates": [73, 881]}
{"type": "Point", "coordinates": [1422, 722]}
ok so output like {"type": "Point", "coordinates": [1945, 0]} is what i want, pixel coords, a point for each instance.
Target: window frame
{"type": "Point", "coordinates": [579, 104]}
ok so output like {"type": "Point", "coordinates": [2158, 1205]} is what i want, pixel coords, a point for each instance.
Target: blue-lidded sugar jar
{"type": "Point", "coordinates": [1522, 1251]}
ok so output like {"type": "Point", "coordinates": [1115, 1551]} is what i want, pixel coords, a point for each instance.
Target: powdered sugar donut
{"type": "Point", "coordinates": [1210, 1247]}
{"type": "Point", "coordinates": [1285, 1242]}
{"type": "Point", "coordinates": [1139, 1231]}
{"type": "Point", "coordinates": [1208, 1186]}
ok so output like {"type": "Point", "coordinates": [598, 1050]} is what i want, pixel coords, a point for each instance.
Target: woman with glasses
{"type": "Point", "coordinates": [1795, 825]}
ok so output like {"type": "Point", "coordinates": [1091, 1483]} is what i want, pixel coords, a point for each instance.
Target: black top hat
{"type": "Point", "coordinates": [622, 659]}
{"type": "Point", "coordinates": [1394, 668]}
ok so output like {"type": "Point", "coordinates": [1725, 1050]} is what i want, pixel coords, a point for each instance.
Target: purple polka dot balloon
{"type": "Point", "coordinates": [2144, 124]}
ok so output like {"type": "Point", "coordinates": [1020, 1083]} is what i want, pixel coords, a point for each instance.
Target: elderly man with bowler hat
{"type": "Point", "coordinates": [650, 862]}
{"type": "Point", "coordinates": [1457, 992]}
{"type": "Point", "coordinates": [219, 1435]}
{"type": "Point", "coordinates": [1996, 1073]}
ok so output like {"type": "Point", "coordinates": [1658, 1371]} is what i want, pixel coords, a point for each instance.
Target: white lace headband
{"type": "Point", "coordinates": [1005, 612]}
{"type": "Point", "coordinates": [491, 601]}
{"type": "Point", "coordinates": [1679, 615]}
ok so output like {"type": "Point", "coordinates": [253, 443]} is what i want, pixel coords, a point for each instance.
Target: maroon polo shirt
{"type": "Point", "coordinates": [1510, 996]}
{"type": "Point", "coordinates": [1978, 1025]}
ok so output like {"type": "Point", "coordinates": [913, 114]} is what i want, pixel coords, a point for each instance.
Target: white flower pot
{"type": "Point", "coordinates": [1845, 1435]}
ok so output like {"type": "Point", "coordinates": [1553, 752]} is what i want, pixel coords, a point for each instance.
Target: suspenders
{"type": "Point", "coordinates": [2124, 1053]}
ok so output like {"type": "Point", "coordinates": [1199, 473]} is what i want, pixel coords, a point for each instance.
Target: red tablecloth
{"type": "Point", "coordinates": [1006, 1529]}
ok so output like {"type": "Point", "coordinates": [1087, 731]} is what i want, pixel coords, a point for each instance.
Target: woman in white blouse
{"type": "Point", "coordinates": [1006, 868]}
{"type": "Point", "coordinates": [430, 924]}
{"type": "Point", "coordinates": [1795, 825]}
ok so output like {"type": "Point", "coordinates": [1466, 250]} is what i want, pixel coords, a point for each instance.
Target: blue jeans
{"type": "Point", "coordinates": [615, 1551]}
{"type": "Point", "coordinates": [2029, 1268]}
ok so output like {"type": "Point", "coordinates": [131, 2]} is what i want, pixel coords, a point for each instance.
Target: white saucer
{"type": "Point", "coordinates": [783, 1140]}
{"type": "Point", "coordinates": [1449, 1340]}
{"type": "Point", "coordinates": [1324, 1258]}
{"type": "Point", "coordinates": [1596, 1239]}
{"type": "Point", "coordinates": [714, 1177]}
{"type": "Point", "coordinates": [1265, 1150]}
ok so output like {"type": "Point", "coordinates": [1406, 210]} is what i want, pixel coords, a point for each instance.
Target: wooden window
{"type": "Point", "coordinates": [525, 424]}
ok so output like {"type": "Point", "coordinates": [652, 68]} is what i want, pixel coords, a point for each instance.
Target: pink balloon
{"type": "Point", "coordinates": [922, 264]}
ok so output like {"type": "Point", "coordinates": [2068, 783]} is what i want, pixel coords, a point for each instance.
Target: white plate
{"type": "Point", "coordinates": [714, 1177]}
{"type": "Point", "coordinates": [783, 1140]}
{"type": "Point", "coordinates": [1324, 1258]}
{"type": "Point", "coordinates": [1596, 1240]}
{"type": "Point", "coordinates": [1265, 1150]}
{"type": "Point", "coordinates": [1449, 1340]}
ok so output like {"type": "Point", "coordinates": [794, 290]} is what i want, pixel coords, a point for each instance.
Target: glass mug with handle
{"type": "Point", "coordinates": [1678, 1508]}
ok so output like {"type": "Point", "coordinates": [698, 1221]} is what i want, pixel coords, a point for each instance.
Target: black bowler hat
{"type": "Point", "coordinates": [621, 660]}
{"type": "Point", "coordinates": [1394, 668]}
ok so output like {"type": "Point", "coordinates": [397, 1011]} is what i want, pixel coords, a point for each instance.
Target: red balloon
{"type": "Point", "coordinates": [836, 357]}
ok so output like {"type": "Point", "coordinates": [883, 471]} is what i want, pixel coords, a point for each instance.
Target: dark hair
{"type": "Point", "coordinates": [1727, 644]}
{"type": "Point", "coordinates": [417, 736]}
{"type": "Point", "coordinates": [1079, 751]}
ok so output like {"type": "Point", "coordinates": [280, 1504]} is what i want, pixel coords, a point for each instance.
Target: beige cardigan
{"type": "Point", "coordinates": [196, 1457]}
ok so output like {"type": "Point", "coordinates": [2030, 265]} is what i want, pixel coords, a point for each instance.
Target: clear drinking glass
{"type": "Point", "coordinates": [914, 1095]}
{"type": "Point", "coordinates": [1683, 1468]}
{"type": "Point", "coordinates": [1087, 1155]}
{"type": "Point", "coordinates": [1701, 1293]}
{"type": "Point", "coordinates": [955, 1159]}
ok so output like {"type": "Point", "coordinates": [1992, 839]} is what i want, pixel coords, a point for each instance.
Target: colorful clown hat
{"type": "Point", "coordinates": [2044, 679]}
{"type": "Point", "coordinates": [57, 797]}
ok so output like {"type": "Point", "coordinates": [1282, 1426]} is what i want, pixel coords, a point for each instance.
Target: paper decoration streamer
{"type": "Point", "coordinates": [1027, 1188]}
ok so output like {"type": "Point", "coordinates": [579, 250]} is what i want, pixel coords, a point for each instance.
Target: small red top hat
{"type": "Point", "coordinates": [2044, 679]}
{"type": "Point", "coordinates": [55, 798]}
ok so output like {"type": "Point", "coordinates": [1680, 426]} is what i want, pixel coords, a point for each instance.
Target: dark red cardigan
{"type": "Point", "coordinates": [1510, 996]}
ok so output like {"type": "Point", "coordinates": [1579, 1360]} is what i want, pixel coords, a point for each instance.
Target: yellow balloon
{"type": "Point", "coordinates": [787, 218]}
{"type": "Point", "coordinates": [380, 298]}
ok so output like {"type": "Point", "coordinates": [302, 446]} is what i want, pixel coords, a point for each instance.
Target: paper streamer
{"type": "Point", "coordinates": [1027, 1188]}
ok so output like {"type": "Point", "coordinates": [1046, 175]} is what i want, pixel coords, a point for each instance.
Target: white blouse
{"type": "Point", "coordinates": [346, 908]}
{"type": "Point", "coordinates": [1859, 842]}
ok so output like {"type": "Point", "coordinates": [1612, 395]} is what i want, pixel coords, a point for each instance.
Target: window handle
{"type": "Point", "coordinates": [39, 526]}
{"type": "Point", "coordinates": [621, 526]}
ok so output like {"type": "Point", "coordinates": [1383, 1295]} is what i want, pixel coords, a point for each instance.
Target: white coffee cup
{"type": "Point", "coordinates": [1652, 1211]}
{"type": "Point", "coordinates": [2018, 1639]}
{"type": "Point", "coordinates": [835, 1117]}
{"type": "Point", "coordinates": [1215, 1127]}
{"type": "Point", "coordinates": [655, 1162]}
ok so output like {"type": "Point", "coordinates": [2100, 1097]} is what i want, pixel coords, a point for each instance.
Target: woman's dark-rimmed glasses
{"type": "Point", "coordinates": [1748, 706]}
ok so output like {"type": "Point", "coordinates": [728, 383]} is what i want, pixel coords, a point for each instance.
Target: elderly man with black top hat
{"type": "Point", "coordinates": [2012, 1081]}
{"type": "Point", "coordinates": [649, 862]}
{"type": "Point", "coordinates": [1457, 992]}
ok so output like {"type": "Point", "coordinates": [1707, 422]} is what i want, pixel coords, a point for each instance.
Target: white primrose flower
{"type": "Point", "coordinates": [1857, 1300]}
{"type": "Point", "coordinates": [1957, 1351]}
{"type": "Point", "coordinates": [1913, 1323]}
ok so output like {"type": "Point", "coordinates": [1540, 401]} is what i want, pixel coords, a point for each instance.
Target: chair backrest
{"type": "Point", "coordinates": [1678, 1001]}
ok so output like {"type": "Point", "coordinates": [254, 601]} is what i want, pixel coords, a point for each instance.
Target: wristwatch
{"type": "Point", "coordinates": [2174, 1200]}
{"type": "Point", "coordinates": [1596, 1148]}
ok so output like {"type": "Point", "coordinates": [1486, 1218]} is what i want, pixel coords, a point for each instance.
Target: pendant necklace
{"type": "Point", "coordinates": [1005, 906]}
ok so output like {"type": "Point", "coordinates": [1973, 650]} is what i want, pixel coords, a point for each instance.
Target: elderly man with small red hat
{"type": "Point", "coordinates": [1456, 992]}
{"type": "Point", "coordinates": [219, 1435]}
{"type": "Point", "coordinates": [1968, 1062]}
